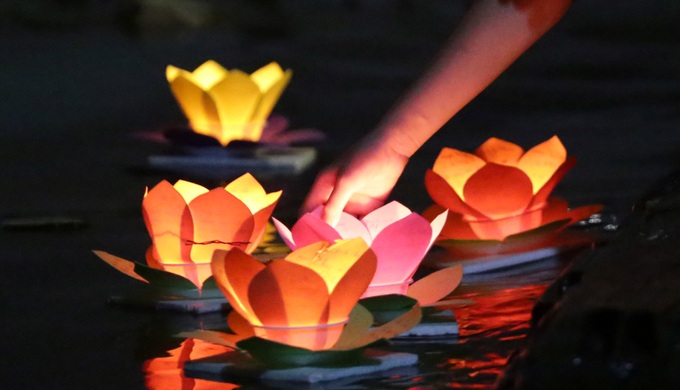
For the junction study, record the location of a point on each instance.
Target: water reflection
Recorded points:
(490, 331)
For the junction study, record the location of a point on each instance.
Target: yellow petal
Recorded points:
(271, 97)
(236, 98)
(500, 152)
(541, 162)
(456, 167)
(331, 262)
(196, 104)
(209, 74)
(250, 192)
(189, 190)
(267, 76)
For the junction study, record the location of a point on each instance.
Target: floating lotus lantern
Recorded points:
(187, 223)
(302, 300)
(228, 104)
(400, 239)
(501, 193)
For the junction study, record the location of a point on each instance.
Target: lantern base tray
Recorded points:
(234, 366)
(193, 306)
(264, 160)
(439, 324)
(569, 240)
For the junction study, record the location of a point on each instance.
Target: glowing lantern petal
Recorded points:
(542, 161)
(208, 74)
(441, 192)
(271, 96)
(286, 294)
(381, 218)
(456, 167)
(233, 274)
(167, 219)
(352, 286)
(498, 191)
(196, 104)
(308, 230)
(408, 238)
(500, 152)
(543, 194)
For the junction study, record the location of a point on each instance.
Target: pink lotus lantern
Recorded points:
(302, 300)
(501, 191)
(398, 237)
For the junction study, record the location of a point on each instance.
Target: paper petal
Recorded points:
(286, 294)
(239, 325)
(498, 191)
(456, 167)
(379, 219)
(349, 227)
(125, 266)
(436, 285)
(219, 218)
(393, 328)
(167, 220)
(352, 286)
(271, 96)
(500, 152)
(233, 271)
(543, 194)
(209, 73)
(442, 193)
(236, 98)
(310, 229)
(197, 105)
(284, 233)
(360, 321)
(542, 161)
(400, 248)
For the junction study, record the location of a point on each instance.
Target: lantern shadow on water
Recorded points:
(501, 195)
(398, 237)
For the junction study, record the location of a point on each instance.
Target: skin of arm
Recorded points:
(491, 36)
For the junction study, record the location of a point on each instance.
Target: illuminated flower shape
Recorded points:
(500, 190)
(187, 223)
(302, 300)
(228, 104)
(398, 237)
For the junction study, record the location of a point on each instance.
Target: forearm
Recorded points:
(491, 36)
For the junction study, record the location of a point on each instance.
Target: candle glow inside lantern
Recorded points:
(501, 191)
(398, 237)
(188, 222)
(228, 104)
(302, 300)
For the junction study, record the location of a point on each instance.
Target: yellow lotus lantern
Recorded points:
(303, 300)
(188, 222)
(228, 104)
(501, 191)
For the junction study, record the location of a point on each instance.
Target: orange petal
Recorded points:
(456, 167)
(500, 152)
(331, 262)
(456, 228)
(499, 229)
(168, 221)
(219, 219)
(442, 193)
(557, 209)
(498, 191)
(352, 286)
(288, 294)
(233, 271)
(542, 161)
(543, 193)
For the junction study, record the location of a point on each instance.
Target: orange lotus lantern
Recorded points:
(501, 191)
(228, 104)
(188, 222)
(303, 300)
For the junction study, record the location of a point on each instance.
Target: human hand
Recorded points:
(357, 183)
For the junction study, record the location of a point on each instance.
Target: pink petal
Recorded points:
(310, 229)
(384, 216)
